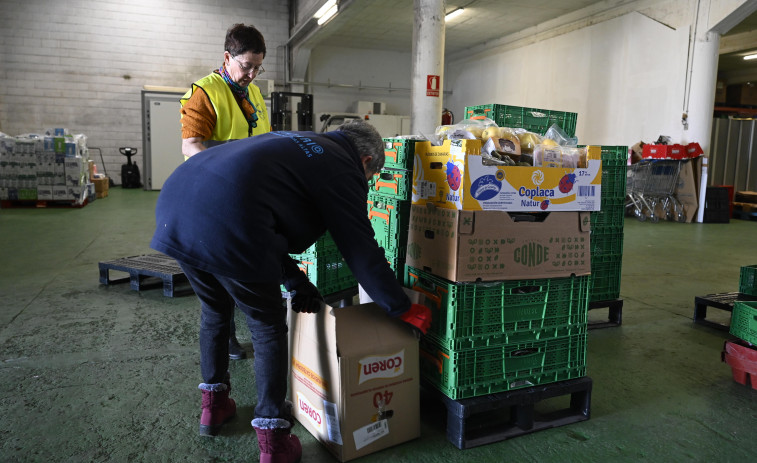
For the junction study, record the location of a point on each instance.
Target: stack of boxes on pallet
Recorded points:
(741, 353)
(51, 166)
(509, 297)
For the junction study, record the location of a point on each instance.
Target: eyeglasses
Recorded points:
(246, 68)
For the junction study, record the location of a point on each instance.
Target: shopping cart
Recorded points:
(652, 182)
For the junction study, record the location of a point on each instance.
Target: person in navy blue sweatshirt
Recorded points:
(232, 214)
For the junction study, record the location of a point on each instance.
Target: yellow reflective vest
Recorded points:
(230, 121)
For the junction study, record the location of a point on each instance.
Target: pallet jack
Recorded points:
(129, 171)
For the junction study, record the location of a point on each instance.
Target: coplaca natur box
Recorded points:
(455, 176)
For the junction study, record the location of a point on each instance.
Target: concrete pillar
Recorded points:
(426, 89)
(704, 70)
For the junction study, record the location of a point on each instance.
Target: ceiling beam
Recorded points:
(738, 42)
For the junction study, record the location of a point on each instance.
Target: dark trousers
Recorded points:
(266, 318)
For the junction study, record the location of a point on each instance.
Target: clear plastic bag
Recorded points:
(559, 156)
(556, 133)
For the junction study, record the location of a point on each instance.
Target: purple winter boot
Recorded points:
(217, 407)
(276, 442)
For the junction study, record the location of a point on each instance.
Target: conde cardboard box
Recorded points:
(468, 246)
(354, 379)
(454, 176)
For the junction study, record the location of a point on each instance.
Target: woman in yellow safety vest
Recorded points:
(226, 105)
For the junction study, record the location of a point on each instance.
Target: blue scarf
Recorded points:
(241, 93)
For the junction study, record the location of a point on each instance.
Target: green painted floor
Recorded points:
(93, 373)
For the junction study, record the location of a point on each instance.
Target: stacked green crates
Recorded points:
(607, 227)
(499, 336)
(326, 269)
(390, 192)
(490, 337)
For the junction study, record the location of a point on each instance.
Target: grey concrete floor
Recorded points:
(103, 373)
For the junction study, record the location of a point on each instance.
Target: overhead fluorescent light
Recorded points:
(754, 56)
(328, 14)
(453, 14)
(323, 9)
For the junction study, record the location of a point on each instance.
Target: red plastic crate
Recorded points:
(693, 150)
(664, 152)
(742, 357)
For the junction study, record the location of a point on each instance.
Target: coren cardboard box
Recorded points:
(354, 379)
(454, 175)
(467, 246)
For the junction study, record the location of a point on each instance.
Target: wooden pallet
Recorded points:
(144, 271)
(40, 204)
(744, 211)
(721, 301)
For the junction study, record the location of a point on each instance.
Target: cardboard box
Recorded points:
(687, 189)
(60, 192)
(746, 197)
(101, 186)
(741, 94)
(720, 92)
(45, 193)
(454, 176)
(354, 379)
(467, 246)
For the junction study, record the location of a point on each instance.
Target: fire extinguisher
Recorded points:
(447, 117)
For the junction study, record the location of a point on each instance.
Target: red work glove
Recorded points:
(418, 316)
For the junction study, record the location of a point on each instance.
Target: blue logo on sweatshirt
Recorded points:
(307, 145)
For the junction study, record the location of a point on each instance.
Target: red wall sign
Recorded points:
(432, 85)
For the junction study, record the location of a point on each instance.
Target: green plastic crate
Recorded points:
(532, 119)
(605, 280)
(610, 218)
(397, 264)
(475, 315)
(393, 183)
(614, 156)
(328, 272)
(748, 280)
(390, 219)
(614, 172)
(606, 246)
(744, 321)
(475, 372)
(400, 152)
(324, 245)
(613, 183)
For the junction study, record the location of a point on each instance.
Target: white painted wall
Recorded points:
(623, 77)
(82, 64)
(356, 68)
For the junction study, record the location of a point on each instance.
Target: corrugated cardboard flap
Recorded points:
(365, 329)
(466, 222)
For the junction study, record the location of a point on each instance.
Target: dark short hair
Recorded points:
(368, 142)
(241, 39)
